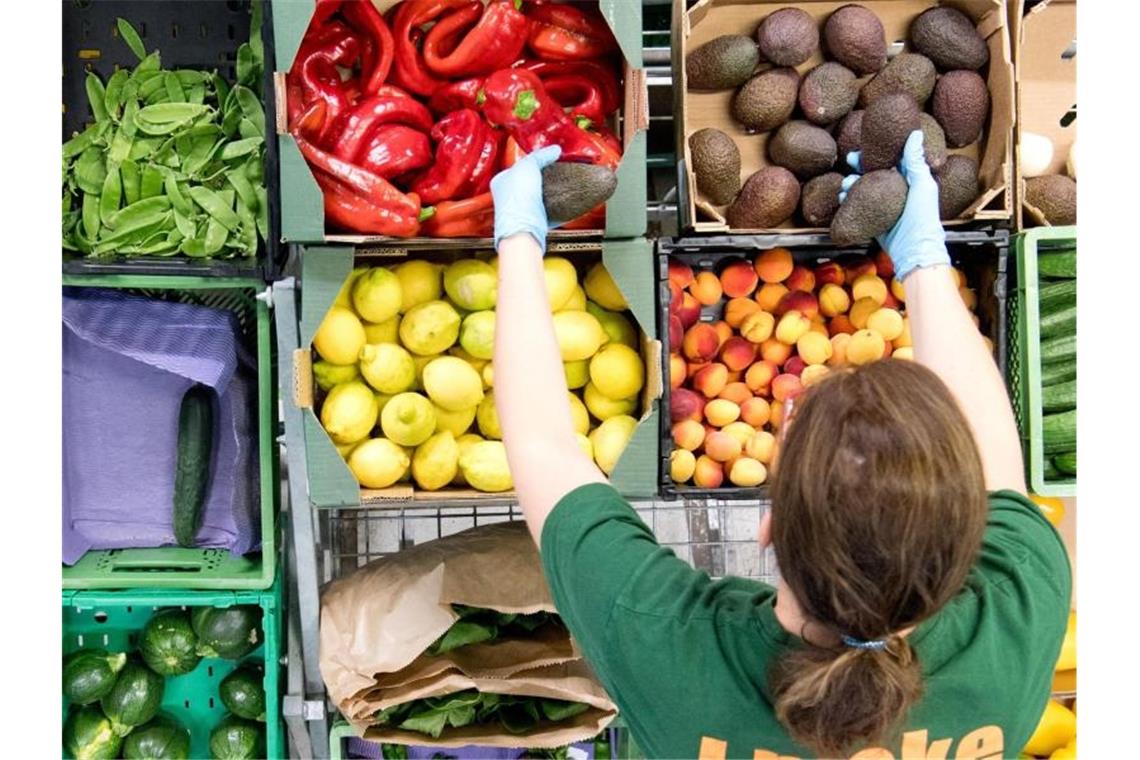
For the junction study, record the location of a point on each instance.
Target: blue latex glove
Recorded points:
(518, 196)
(917, 239)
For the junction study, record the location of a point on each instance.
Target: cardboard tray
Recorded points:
(325, 268)
(303, 206)
(696, 110)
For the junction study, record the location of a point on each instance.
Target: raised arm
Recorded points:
(530, 386)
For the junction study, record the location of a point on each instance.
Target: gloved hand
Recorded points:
(917, 239)
(518, 196)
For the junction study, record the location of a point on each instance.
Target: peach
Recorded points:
(861, 311)
(680, 273)
(722, 446)
(738, 279)
(737, 353)
(891, 302)
(969, 298)
(774, 265)
(757, 327)
(747, 473)
(855, 267)
(761, 447)
(774, 351)
(706, 288)
(797, 300)
(689, 311)
(903, 340)
(865, 346)
(676, 296)
(682, 463)
(741, 431)
(700, 343)
(869, 286)
(829, 273)
(676, 332)
(734, 376)
(720, 412)
(791, 326)
(678, 370)
(769, 295)
(688, 434)
(840, 325)
(708, 473)
(693, 368)
(737, 310)
(760, 375)
(814, 348)
(684, 404)
(884, 267)
(886, 322)
(839, 343)
(785, 387)
(723, 332)
(711, 380)
(736, 391)
(903, 352)
(897, 290)
(833, 300)
(794, 365)
(755, 411)
(801, 278)
(813, 374)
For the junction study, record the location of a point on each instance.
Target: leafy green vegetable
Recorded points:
(517, 715)
(476, 625)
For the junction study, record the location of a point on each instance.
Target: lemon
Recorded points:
(579, 335)
(344, 449)
(477, 334)
(610, 439)
(488, 418)
(429, 328)
(585, 445)
(488, 375)
(387, 367)
(576, 302)
(378, 463)
(344, 297)
(604, 407)
(421, 362)
(452, 383)
(436, 461)
(377, 295)
(561, 281)
(472, 284)
(578, 414)
(382, 400)
(387, 331)
(1057, 727)
(617, 327)
(329, 375)
(419, 283)
(577, 373)
(617, 372)
(349, 412)
(464, 442)
(457, 422)
(602, 289)
(408, 419)
(484, 466)
(340, 336)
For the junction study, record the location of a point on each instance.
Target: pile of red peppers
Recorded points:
(405, 117)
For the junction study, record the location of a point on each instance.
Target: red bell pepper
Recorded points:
(602, 75)
(517, 101)
(310, 121)
(390, 105)
(315, 75)
(377, 61)
(580, 97)
(408, 66)
(465, 158)
(395, 149)
(470, 217)
(564, 32)
(452, 97)
(496, 40)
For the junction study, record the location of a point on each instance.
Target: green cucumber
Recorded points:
(1059, 397)
(1066, 463)
(237, 739)
(1058, 264)
(1057, 295)
(89, 674)
(162, 738)
(243, 692)
(1058, 372)
(1059, 349)
(87, 735)
(227, 632)
(192, 471)
(1062, 322)
(1059, 432)
(135, 697)
(168, 643)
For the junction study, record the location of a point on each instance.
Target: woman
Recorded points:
(923, 598)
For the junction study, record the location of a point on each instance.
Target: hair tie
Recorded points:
(871, 644)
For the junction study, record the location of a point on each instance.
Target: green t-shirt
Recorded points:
(686, 658)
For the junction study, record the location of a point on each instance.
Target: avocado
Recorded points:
(907, 72)
(849, 136)
(961, 104)
(722, 63)
(571, 189)
(933, 141)
(788, 37)
(949, 38)
(873, 205)
(887, 123)
(957, 185)
(828, 93)
(804, 148)
(769, 197)
(767, 100)
(716, 165)
(1055, 196)
(854, 36)
(820, 199)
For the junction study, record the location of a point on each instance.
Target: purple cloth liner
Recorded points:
(362, 749)
(127, 362)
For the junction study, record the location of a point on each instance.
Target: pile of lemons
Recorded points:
(404, 358)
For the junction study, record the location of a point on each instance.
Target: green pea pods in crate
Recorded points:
(114, 622)
(1043, 362)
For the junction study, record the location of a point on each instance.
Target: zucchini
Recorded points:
(162, 738)
(1057, 264)
(1059, 349)
(243, 693)
(1059, 432)
(168, 643)
(1061, 322)
(1066, 463)
(89, 674)
(135, 697)
(227, 632)
(192, 468)
(1058, 372)
(1057, 295)
(237, 739)
(1059, 397)
(87, 735)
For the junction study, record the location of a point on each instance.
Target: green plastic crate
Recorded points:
(177, 567)
(114, 619)
(1025, 356)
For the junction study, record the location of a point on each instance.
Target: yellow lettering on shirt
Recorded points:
(873, 753)
(914, 746)
(712, 749)
(763, 754)
(985, 743)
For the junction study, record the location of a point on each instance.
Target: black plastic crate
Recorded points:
(197, 34)
(982, 254)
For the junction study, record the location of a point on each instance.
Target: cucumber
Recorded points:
(192, 471)
(1059, 432)
(1058, 264)
(1061, 322)
(89, 674)
(243, 694)
(1066, 463)
(162, 738)
(1057, 295)
(237, 739)
(87, 735)
(135, 697)
(1058, 372)
(227, 632)
(1059, 397)
(1059, 349)
(168, 643)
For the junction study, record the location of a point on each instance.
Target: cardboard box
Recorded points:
(696, 110)
(1045, 53)
(302, 206)
(325, 268)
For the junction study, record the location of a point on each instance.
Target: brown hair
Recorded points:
(878, 510)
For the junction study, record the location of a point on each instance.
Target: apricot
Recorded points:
(741, 431)
(774, 351)
(801, 278)
(891, 302)
(857, 266)
(786, 386)
(884, 267)
(685, 404)
(734, 376)
(755, 411)
(813, 374)
(888, 349)
(688, 434)
(797, 300)
(840, 324)
(869, 286)
(839, 343)
(757, 327)
(794, 365)
(720, 412)
(736, 391)
(746, 472)
(777, 417)
(676, 332)
(861, 311)
(680, 273)
(761, 446)
(678, 370)
(737, 310)
(700, 343)
(774, 265)
(903, 340)
(886, 322)
(723, 332)
(865, 346)
(675, 297)
(738, 279)
(706, 288)
(708, 473)
(760, 375)
(833, 300)
(769, 296)
(791, 326)
(904, 352)
(819, 327)
(721, 446)
(829, 273)
(737, 353)
(711, 380)
(682, 464)
(814, 348)
(897, 290)
(692, 368)
(689, 311)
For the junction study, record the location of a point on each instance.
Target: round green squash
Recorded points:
(89, 674)
(168, 643)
